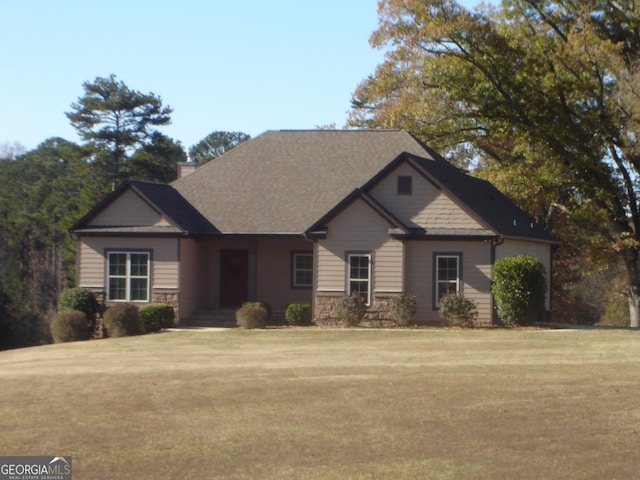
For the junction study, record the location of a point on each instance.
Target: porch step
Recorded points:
(219, 318)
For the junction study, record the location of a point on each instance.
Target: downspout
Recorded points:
(496, 242)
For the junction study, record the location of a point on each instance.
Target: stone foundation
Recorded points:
(378, 314)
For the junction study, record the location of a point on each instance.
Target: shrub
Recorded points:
(402, 308)
(122, 320)
(519, 287)
(251, 317)
(156, 316)
(351, 310)
(257, 304)
(81, 299)
(298, 314)
(69, 326)
(456, 310)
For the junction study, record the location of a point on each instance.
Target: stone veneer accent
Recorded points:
(378, 314)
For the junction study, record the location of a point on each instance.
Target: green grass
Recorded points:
(331, 404)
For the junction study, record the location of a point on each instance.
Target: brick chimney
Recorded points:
(185, 168)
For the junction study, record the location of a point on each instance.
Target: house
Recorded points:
(307, 216)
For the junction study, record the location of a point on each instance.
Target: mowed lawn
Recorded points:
(331, 404)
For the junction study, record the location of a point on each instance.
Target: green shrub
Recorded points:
(257, 304)
(81, 299)
(351, 310)
(298, 314)
(156, 316)
(122, 320)
(402, 308)
(69, 326)
(251, 317)
(456, 310)
(519, 287)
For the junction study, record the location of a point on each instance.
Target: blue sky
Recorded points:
(249, 66)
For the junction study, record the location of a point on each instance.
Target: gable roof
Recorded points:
(164, 199)
(284, 181)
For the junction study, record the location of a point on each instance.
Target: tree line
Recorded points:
(46, 190)
(542, 98)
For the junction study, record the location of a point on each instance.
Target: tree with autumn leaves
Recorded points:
(543, 97)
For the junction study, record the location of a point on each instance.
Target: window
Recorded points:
(302, 270)
(405, 185)
(128, 276)
(360, 275)
(447, 276)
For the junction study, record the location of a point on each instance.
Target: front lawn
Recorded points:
(331, 404)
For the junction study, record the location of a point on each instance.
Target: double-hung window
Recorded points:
(447, 275)
(302, 270)
(128, 276)
(359, 265)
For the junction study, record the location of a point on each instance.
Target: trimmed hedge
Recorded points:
(456, 310)
(122, 320)
(298, 314)
(155, 317)
(251, 317)
(69, 326)
(81, 299)
(519, 287)
(258, 304)
(402, 309)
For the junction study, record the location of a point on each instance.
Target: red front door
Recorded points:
(234, 267)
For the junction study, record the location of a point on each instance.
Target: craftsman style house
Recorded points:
(306, 216)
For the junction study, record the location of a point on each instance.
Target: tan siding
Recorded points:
(359, 228)
(426, 207)
(476, 271)
(538, 250)
(164, 267)
(274, 273)
(129, 210)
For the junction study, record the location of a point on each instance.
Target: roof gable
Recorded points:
(284, 181)
(144, 207)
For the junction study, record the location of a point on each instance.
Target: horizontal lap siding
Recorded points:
(359, 229)
(476, 272)
(92, 259)
(274, 273)
(128, 210)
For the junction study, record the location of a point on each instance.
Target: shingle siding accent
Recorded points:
(427, 206)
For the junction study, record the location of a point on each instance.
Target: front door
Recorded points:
(234, 267)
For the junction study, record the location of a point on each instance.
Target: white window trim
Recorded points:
(457, 281)
(127, 276)
(349, 279)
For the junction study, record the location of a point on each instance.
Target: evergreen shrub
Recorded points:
(351, 310)
(402, 308)
(258, 304)
(122, 320)
(456, 310)
(155, 317)
(298, 314)
(519, 287)
(251, 317)
(69, 326)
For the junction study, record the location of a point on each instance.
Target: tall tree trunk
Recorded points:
(631, 261)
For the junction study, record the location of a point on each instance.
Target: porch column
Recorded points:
(252, 283)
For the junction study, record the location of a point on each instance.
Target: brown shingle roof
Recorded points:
(284, 181)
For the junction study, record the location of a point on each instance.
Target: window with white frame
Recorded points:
(302, 269)
(128, 276)
(447, 275)
(359, 265)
